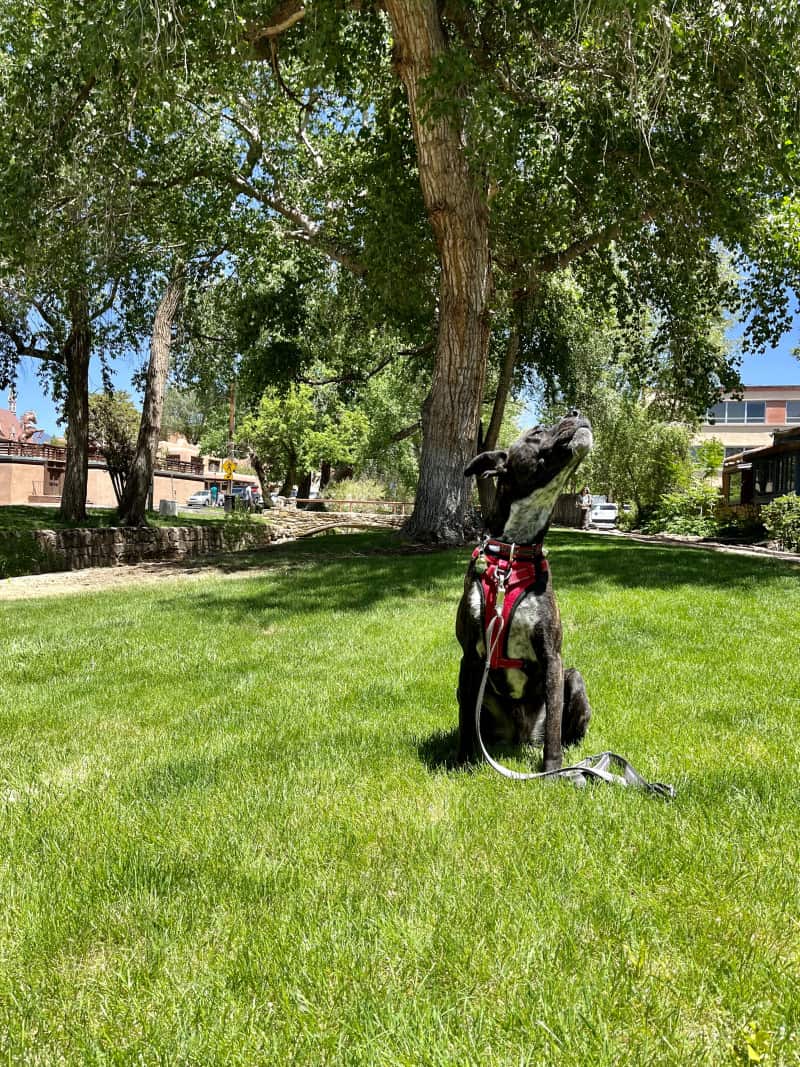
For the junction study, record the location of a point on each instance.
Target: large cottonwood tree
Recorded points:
(547, 131)
(542, 133)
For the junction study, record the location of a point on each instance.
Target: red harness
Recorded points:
(506, 574)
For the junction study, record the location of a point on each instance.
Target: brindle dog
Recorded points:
(539, 702)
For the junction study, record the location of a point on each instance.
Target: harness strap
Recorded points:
(506, 573)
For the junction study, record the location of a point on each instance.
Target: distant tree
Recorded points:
(185, 413)
(133, 501)
(637, 456)
(113, 428)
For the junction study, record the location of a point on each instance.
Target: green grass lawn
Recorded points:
(28, 517)
(231, 835)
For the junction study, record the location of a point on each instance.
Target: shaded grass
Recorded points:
(229, 834)
(28, 517)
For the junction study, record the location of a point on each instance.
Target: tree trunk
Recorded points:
(291, 477)
(304, 488)
(77, 354)
(261, 474)
(487, 487)
(133, 506)
(457, 209)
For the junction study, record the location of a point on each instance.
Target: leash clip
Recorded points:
(503, 574)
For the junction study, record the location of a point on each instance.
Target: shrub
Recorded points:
(20, 554)
(628, 519)
(741, 522)
(781, 517)
(357, 489)
(689, 511)
(235, 525)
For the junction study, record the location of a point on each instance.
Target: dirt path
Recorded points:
(98, 579)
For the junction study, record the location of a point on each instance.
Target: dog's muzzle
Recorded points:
(581, 442)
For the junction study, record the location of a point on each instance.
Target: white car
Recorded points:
(200, 499)
(604, 515)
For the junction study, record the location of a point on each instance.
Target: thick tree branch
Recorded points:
(409, 431)
(25, 348)
(555, 261)
(284, 16)
(358, 377)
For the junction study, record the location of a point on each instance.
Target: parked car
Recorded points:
(200, 499)
(604, 515)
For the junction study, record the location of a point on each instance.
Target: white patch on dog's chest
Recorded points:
(523, 621)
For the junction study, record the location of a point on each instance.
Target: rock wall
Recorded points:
(111, 547)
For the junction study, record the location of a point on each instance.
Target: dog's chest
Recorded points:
(516, 641)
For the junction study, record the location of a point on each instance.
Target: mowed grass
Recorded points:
(231, 834)
(28, 517)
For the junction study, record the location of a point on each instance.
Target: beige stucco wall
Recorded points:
(19, 481)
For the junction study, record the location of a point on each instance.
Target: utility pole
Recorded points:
(231, 428)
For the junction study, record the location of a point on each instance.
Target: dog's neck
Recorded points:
(529, 517)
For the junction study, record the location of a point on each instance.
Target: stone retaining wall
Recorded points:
(72, 550)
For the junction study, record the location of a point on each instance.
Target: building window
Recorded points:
(777, 476)
(743, 412)
(793, 410)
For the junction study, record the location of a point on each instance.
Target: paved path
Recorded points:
(708, 546)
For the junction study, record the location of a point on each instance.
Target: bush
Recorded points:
(690, 511)
(741, 522)
(628, 520)
(357, 489)
(236, 524)
(20, 554)
(781, 517)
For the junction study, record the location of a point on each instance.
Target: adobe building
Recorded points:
(32, 470)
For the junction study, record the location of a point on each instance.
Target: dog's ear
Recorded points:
(487, 464)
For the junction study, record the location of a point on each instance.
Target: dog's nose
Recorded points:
(574, 414)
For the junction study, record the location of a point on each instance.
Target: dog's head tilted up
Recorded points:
(530, 476)
(525, 696)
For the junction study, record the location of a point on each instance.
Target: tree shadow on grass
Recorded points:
(352, 574)
(591, 560)
(352, 579)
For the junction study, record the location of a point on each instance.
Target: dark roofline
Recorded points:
(763, 389)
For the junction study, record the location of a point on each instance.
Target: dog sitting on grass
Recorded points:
(529, 698)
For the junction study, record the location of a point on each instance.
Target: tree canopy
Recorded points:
(416, 187)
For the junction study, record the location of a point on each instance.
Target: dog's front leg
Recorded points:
(554, 707)
(469, 683)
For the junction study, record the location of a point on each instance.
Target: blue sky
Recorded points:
(776, 367)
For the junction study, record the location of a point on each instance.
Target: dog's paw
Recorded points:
(553, 764)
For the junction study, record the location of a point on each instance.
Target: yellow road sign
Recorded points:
(229, 466)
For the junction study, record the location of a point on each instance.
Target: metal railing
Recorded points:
(390, 507)
(58, 453)
(55, 453)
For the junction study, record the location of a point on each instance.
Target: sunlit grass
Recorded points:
(230, 833)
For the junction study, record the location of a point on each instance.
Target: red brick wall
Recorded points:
(776, 412)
